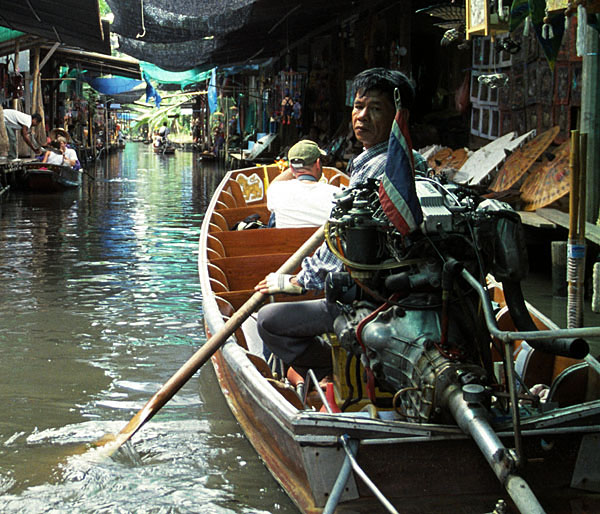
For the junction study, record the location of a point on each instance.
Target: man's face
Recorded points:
(372, 117)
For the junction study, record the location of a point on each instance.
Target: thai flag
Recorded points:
(397, 193)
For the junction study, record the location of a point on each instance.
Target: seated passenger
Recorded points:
(157, 139)
(60, 154)
(71, 158)
(54, 154)
(297, 197)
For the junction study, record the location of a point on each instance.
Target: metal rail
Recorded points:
(350, 447)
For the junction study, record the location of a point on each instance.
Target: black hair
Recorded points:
(55, 144)
(36, 117)
(385, 81)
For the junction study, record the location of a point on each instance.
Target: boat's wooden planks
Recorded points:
(261, 241)
(246, 271)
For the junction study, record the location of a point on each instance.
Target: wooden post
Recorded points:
(37, 103)
(15, 102)
(106, 138)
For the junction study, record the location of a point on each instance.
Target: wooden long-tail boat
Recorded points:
(458, 450)
(44, 177)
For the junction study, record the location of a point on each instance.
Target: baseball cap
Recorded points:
(304, 153)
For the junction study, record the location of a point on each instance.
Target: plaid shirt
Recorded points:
(369, 164)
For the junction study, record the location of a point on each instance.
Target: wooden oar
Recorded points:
(111, 443)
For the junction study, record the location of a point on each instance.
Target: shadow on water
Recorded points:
(99, 305)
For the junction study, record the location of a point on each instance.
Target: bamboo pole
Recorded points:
(37, 98)
(15, 102)
(582, 186)
(574, 191)
(575, 247)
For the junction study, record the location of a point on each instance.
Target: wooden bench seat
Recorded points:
(245, 272)
(236, 243)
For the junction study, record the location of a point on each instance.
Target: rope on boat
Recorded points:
(350, 446)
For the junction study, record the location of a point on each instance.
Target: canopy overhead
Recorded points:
(98, 64)
(178, 21)
(180, 79)
(71, 22)
(182, 34)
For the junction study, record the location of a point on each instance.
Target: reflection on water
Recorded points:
(100, 305)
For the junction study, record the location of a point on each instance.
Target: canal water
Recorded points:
(99, 305)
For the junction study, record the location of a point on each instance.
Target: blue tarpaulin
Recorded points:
(150, 91)
(112, 85)
(212, 91)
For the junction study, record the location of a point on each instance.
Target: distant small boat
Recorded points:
(164, 149)
(44, 177)
(207, 156)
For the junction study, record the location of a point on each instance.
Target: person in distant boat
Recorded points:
(53, 155)
(16, 120)
(164, 131)
(60, 154)
(70, 154)
(297, 197)
(290, 329)
(157, 139)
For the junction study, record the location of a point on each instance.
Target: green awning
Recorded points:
(7, 34)
(183, 78)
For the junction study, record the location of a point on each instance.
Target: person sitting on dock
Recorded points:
(297, 197)
(16, 120)
(290, 329)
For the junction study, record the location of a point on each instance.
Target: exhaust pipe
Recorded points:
(472, 418)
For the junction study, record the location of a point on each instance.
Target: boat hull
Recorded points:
(426, 469)
(50, 178)
(419, 468)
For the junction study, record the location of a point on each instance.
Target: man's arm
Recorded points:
(25, 134)
(316, 267)
(312, 276)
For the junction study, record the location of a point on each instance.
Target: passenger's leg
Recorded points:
(289, 330)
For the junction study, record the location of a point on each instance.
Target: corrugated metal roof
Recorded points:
(72, 22)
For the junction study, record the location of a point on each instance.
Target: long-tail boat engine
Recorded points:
(415, 324)
(413, 317)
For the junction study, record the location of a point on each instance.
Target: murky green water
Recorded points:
(99, 305)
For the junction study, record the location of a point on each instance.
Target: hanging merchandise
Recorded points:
(297, 114)
(15, 89)
(549, 27)
(287, 89)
